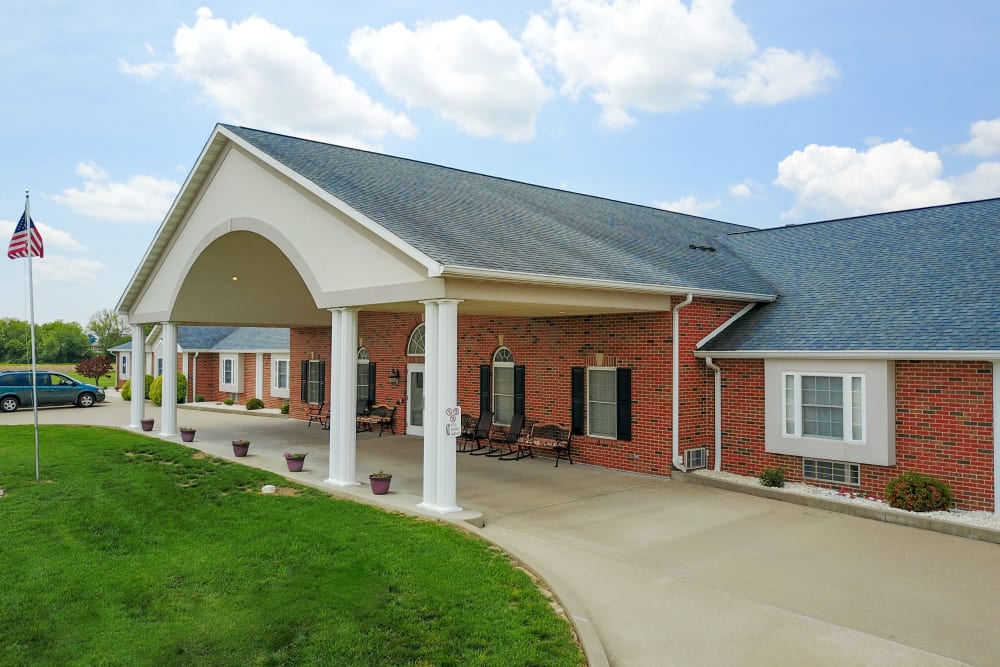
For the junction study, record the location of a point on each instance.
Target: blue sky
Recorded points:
(761, 113)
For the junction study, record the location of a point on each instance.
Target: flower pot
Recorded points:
(147, 424)
(240, 447)
(380, 484)
(295, 465)
(187, 436)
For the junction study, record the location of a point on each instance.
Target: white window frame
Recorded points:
(313, 394)
(614, 383)
(416, 344)
(849, 408)
(124, 366)
(159, 366)
(234, 384)
(363, 359)
(277, 389)
(505, 354)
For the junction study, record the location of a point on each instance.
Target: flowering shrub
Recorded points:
(772, 477)
(917, 492)
(294, 455)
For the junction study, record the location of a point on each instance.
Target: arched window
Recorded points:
(415, 348)
(364, 376)
(503, 386)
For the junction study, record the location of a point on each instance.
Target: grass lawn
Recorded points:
(106, 380)
(137, 551)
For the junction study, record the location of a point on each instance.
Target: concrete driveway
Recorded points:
(656, 572)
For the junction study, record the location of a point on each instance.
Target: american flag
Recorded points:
(26, 238)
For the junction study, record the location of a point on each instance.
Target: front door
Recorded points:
(414, 399)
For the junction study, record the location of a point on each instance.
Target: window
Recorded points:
(416, 346)
(503, 386)
(279, 376)
(124, 362)
(602, 402)
(364, 377)
(314, 382)
(230, 373)
(839, 472)
(159, 366)
(824, 406)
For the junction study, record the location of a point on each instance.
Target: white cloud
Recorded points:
(740, 189)
(841, 181)
(661, 55)
(983, 182)
(258, 74)
(689, 205)
(778, 76)
(985, 138)
(140, 199)
(51, 237)
(59, 269)
(472, 73)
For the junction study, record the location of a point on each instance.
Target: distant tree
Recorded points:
(110, 327)
(15, 341)
(95, 367)
(61, 342)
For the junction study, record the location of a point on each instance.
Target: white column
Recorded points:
(343, 396)
(137, 377)
(259, 376)
(441, 393)
(168, 411)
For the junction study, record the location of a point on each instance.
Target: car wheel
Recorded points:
(85, 400)
(9, 404)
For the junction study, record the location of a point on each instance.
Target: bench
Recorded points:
(381, 415)
(554, 437)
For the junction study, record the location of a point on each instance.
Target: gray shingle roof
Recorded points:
(924, 279)
(201, 338)
(250, 339)
(463, 219)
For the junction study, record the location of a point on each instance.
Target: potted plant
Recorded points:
(240, 447)
(380, 482)
(295, 461)
(187, 434)
(147, 424)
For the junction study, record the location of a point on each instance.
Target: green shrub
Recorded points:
(772, 477)
(228, 401)
(918, 492)
(126, 391)
(285, 407)
(156, 389)
(254, 404)
(199, 398)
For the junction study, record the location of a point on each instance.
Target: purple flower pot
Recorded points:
(380, 485)
(240, 448)
(295, 465)
(187, 436)
(147, 424)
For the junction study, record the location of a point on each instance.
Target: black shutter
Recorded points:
(322, 382)
(304, 388)
(485, 389)
(624, 403)
(371, 383)
(579, 398)
(518, 390)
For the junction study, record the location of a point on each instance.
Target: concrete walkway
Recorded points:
(656, 572)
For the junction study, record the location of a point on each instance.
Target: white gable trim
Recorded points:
(914, 355)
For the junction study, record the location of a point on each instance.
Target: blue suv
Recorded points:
(53, 389)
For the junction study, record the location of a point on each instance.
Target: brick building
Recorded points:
(847, 350)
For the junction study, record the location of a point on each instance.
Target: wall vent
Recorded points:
(840, 472)
(696, 458)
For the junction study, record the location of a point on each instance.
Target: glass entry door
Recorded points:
(414, 399)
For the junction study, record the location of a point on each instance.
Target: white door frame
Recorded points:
(411, 429)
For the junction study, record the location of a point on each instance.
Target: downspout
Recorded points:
(676, 382)
(718, 412)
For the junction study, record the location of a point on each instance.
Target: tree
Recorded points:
(110, 327)
(61, 342)
(15, 341)
(95, 367)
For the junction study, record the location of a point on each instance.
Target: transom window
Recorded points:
(503, 386)
(416, 346)
(602, 402)
(824, 406)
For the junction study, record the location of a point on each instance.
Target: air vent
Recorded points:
(696, 458)
(840, 472)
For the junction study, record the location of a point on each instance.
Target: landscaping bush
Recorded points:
(254, 404)
(126, 391)
(199, 398)
(228, 401)
(285, 407)
(145, 389)
(772, 477)
(156, 389)
(918, 492)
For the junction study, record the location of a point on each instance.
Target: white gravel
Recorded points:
(980, 519)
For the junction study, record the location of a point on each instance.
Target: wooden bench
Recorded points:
(554, 437)
(381, 415)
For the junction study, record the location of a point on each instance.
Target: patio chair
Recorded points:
(513, 439)
(316, 415)
(479, 433)
(464, 441)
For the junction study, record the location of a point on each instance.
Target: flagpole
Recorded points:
(31, 310)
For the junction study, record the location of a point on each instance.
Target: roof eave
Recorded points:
(916, 355)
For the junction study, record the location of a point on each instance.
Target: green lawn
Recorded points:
(141, 552)
(106, 380)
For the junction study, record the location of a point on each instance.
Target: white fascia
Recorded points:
(914, 355)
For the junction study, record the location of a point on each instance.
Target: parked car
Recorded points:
(53, 389)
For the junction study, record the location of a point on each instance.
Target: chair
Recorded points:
(316, 415)
(513, 439)
(480, 432)
(464, 441)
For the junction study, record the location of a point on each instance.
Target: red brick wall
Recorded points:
(944, 427)
(205, 369)
(549, 347)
